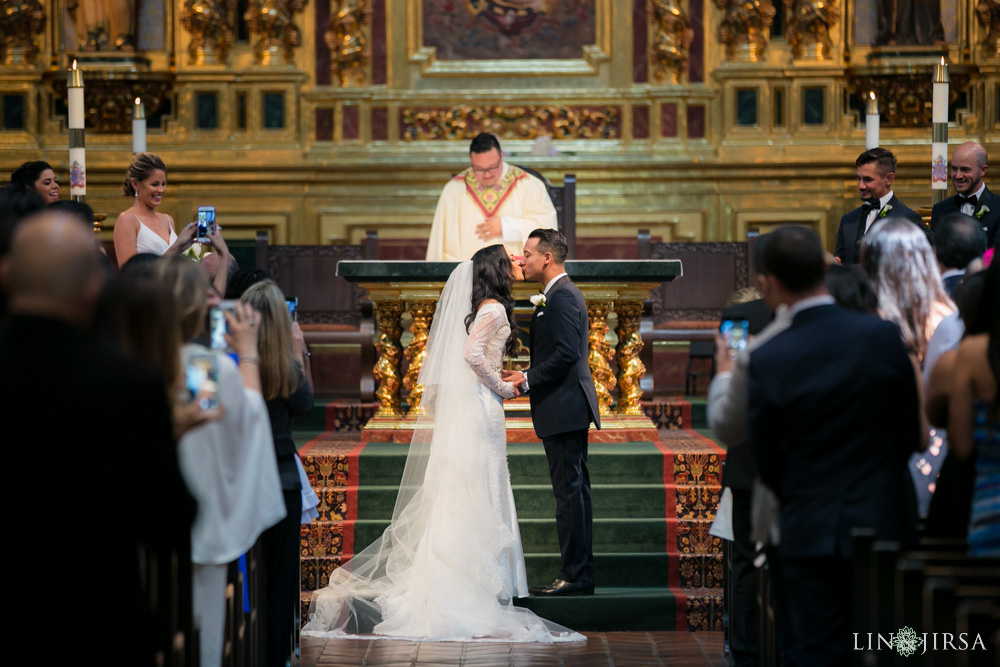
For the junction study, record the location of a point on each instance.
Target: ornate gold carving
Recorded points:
(630, 368)
(274, 30)
(744, 28)
(905, 98)
(520, 122)
(600, 354)
(672, 41)
(387, 367)
(809, 26)
(212, 35)
(109, 101)
(350, 56)
(416, 352)
(20, 22)
(988, 12)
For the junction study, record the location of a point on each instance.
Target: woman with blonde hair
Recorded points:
(286, 383)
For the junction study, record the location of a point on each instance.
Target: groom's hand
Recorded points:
(514, 377)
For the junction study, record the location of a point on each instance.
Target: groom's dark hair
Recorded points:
(551, 240)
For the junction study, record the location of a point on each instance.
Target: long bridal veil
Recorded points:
(435, 573)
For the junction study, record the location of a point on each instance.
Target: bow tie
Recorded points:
(962, 201)
(869, 206)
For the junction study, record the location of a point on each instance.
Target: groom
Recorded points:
(563, 404)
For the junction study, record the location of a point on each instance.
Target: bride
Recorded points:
(450, 563)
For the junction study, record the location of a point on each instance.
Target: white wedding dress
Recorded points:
(450, 563)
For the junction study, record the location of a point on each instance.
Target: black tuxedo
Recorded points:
(834, 416)
(989, 221)
(563, 404)
(852, 225)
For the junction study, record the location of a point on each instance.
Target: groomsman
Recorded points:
(563, 405)
(876, 172)
(968, 168)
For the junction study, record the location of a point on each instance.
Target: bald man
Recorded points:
(973, 198)
(91, 462)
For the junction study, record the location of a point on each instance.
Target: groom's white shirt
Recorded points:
(548, 286)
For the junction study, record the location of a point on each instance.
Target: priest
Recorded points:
(490, 202)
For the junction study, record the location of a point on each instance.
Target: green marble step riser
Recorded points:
(634, 570)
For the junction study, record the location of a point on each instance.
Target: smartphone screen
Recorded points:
(736, 333)
(201, 380)
(293, 306)
(217, 325)
(206, 223)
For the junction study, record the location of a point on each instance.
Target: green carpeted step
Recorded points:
(537, 502)
(612, 569)
(699, 412)
(609, 609)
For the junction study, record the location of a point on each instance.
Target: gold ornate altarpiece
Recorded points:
(319, 119)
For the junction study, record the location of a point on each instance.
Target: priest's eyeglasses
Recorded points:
(489, 170)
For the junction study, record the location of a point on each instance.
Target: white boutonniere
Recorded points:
(885, 211)
(537, 300)
(981, 212)
(195, 252)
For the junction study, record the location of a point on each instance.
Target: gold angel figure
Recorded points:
(273, 26)
(212, 34)
(20, 21)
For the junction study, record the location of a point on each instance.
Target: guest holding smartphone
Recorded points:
(286, 382)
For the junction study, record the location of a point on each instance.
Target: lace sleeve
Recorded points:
(484, 353)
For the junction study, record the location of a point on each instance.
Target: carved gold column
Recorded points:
(672, 40)
(744, 28)
(630, 368)
(808, 29)
(212, 32)
(275, 34)
(601, 354)
(422, 313)
(20, 22)
(988, 13)
(389, 352)
(350, 55)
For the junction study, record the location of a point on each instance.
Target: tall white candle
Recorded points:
(77, 153)
(871, 122)
(939, 133)
(139, 127)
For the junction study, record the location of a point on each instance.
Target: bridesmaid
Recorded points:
(141, 229)
(39, 177)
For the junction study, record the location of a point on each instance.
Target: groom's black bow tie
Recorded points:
(872, 206)
(961, 201)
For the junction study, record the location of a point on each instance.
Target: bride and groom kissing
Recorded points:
(450, 564)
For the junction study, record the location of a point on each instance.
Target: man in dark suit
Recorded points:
(95, 444)
(973, 198)
(958, 240)
(833, 414)
(563, 404)
(876, 170)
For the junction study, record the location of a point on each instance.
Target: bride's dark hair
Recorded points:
(491, 279)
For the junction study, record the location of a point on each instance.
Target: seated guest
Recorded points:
(972, 197)
(38, 177)
(974, 418)
(229, 464)
(876, 171)
(286, 380)
(490, 202)
(141, 228)
(830, 433)
(958, 240)
(53, 373)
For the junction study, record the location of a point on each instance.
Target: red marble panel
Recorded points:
(378, 43)
(640, 42)
(696, 122)
(668, 120)
(696, 56)
(380, 124)
(640, 122)
(324, 124)
(350, 123)
(322, 50)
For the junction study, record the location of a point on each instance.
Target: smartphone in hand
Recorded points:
(218, 327)
(737, 335)
(201, 380)
(206, 223)
(293, 306)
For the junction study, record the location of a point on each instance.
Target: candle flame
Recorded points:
(872, 95)
(942, 60)
(74, 63)
(137, 102)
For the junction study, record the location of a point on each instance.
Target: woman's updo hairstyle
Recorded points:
(24, 177)
(141, 167)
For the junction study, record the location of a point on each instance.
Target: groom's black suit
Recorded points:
(563, 404)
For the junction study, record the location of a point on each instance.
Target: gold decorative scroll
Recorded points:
(988, 13)
(672, 41)
(387, 347)
(275, 34)
(600, 354)
(511, 122)
(20, 22)
(110, 100)
(745, 27)
(630, 368)
(212, 32)
(808, 29)
(906, 99)
(350, 55)
(416, 352)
